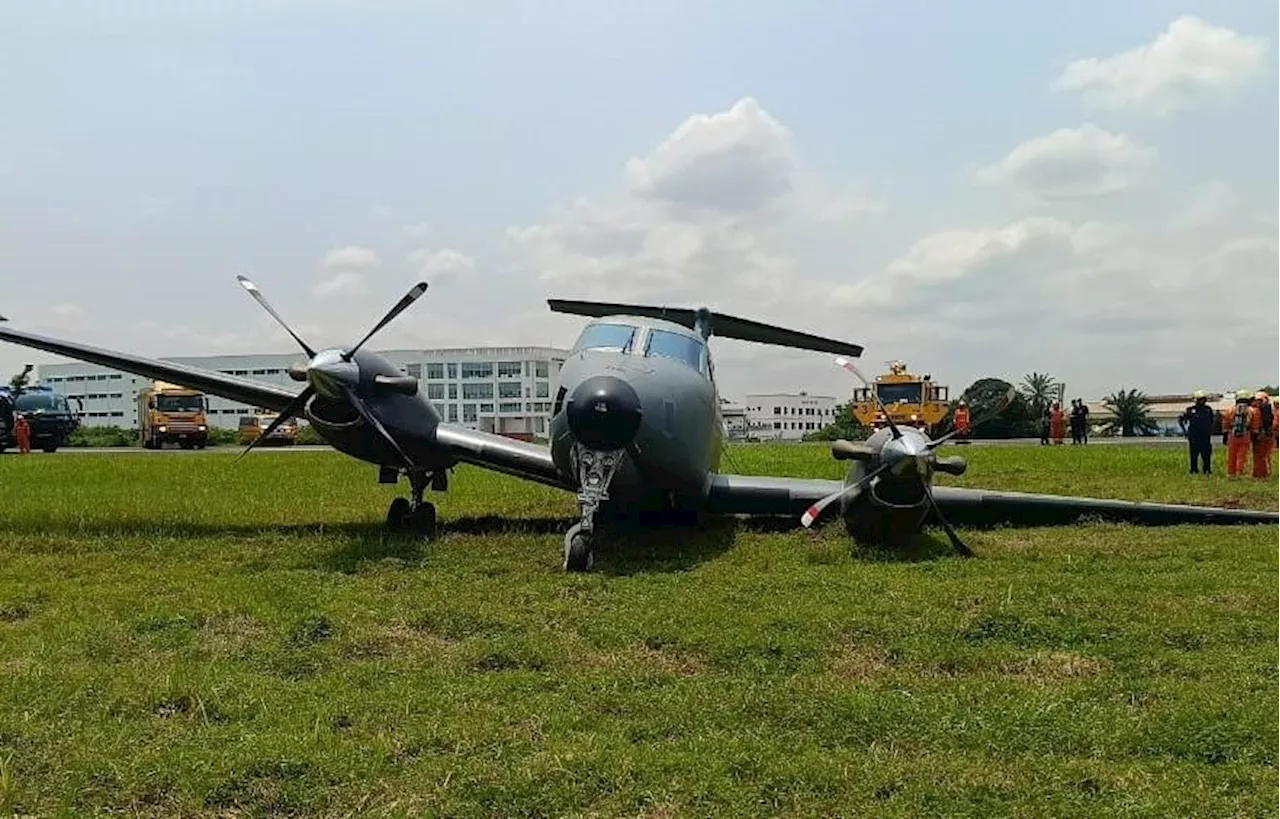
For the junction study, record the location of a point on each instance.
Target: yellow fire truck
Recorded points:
(911, 400)
(167, 412)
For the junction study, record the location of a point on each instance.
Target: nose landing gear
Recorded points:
(417, 516)
(596, 469)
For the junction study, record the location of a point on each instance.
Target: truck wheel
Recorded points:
(50, 447)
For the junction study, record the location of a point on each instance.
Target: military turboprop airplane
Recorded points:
(636, 425)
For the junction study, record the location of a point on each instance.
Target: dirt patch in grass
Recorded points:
(859, 662)
(1053, 666)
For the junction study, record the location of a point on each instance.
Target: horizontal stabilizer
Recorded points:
(715, 324)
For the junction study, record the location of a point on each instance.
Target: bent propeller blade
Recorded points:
(253, 290)
(372, 420)
(848, 365)
(409, 298)
(815, 511)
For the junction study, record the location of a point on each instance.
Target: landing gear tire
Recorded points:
(398, 515)
(422, 521)
(578, 554)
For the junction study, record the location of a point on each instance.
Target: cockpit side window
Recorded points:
(691, 351)
(611, 337)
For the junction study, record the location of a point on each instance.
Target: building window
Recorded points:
(453, 392)
(413, 370)
(453, 370)
(435, 371)
(509, 406)
(487, 408)
(476, 391)
(506, 389)
(540, 369)
(468, 413)
(510, 369)
(453, 413)
(542, 390)
(435, 392)
(477, 369)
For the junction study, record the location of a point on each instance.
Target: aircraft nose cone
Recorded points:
(328, 373)
(603, 413)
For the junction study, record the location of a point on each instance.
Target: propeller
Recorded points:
(852, 491)
(337, 376)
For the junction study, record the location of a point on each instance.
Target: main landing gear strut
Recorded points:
(596, 469)
(414, 515)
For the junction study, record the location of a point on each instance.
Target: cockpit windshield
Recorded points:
(179, 403)
(691, 351)
(611, 337)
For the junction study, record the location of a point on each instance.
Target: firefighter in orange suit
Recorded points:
(22, 434)
(961, 420)
(1057, 423)
(1237, 423)
(1262, 436)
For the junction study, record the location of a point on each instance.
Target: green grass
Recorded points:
(182, 634)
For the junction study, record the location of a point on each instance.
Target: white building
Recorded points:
(788, 416)
(497, 389)
(735, 420)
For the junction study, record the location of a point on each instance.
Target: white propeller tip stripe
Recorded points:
(810, 515)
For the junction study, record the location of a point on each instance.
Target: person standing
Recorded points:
(22, 434)
(1057, 423)
(961, 421)
(1237, 422)
(1084, 420)
(1197, 422)
(1261, 437)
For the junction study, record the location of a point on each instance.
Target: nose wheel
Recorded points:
(579, 556)
(596, 469)
(414, 516)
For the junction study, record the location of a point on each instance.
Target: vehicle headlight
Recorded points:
(201, 428)
(163, 428)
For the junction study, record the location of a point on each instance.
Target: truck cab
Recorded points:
(48, 413)
(252, 427)
(169, 413)
(909, 399)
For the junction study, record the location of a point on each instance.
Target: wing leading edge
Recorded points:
(254, 393)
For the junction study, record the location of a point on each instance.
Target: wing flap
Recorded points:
(254, 393)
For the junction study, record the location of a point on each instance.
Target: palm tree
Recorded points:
(1040, 390)
(1132, 413)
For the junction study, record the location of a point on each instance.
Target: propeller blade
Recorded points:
(260, 299)
(956, 542)
(409, 298)
(852, 490)
(372, 420)
(295, 407)
(848, 365)
(1009, 395)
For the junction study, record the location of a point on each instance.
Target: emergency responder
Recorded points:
(22, 434)
(961, 420)
(1261, 437)
(1237, 422)
(1083, 409)
(1197, 422)
(1057, 423)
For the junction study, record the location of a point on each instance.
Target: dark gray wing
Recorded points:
(721, 325)
(254, 393)
(984, 507)
(502, 454)
(764, 495)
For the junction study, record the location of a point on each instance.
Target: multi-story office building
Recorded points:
(788, 416)
(497, 389)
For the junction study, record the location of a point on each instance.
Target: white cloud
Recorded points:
(416, 230)
(346, 283)
(441, 265)
(351, 257)
(1071, 163)
(1190, 61)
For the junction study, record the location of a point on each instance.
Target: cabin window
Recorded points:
(663, 344)
(613, 337)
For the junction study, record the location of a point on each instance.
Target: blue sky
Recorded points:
(149, 152)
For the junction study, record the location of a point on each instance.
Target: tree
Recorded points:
(1040, 390)
(845, 426)
(1132, 413)
(984, 398)
(19, 382)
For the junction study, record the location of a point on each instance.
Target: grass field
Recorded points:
(182, 634)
